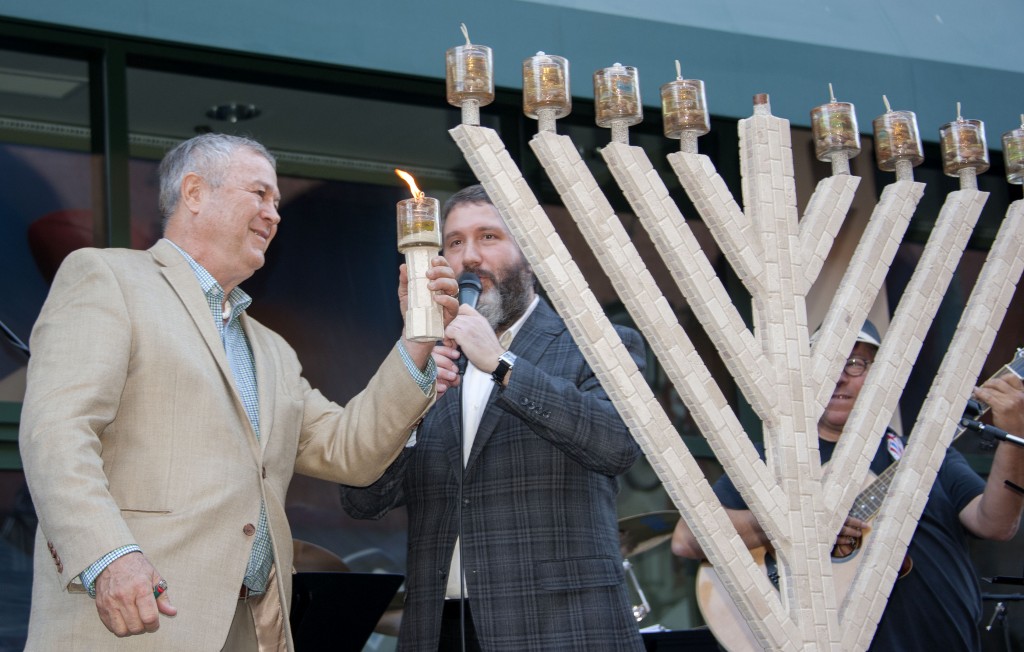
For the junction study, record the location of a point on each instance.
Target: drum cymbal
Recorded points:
(311, 557)
(642, 532)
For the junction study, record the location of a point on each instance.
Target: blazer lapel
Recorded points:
(266, 380)
(183, 280)
(449, 425)
(529, 344)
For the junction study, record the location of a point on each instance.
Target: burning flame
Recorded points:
(416, 192)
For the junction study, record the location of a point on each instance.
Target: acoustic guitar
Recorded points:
(720, 612)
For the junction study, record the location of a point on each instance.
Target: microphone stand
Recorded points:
(469, 293)
(462, 480)
(986, 430)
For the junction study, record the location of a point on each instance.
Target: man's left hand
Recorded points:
(849, 538)
(474, 336)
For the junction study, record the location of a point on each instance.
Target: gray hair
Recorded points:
(207, 155)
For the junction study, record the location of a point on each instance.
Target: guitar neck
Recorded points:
(869, 501)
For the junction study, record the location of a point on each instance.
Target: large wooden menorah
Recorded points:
(786, 379)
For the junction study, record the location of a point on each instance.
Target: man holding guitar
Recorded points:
(937, 601)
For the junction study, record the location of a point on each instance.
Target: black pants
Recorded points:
(451, 628)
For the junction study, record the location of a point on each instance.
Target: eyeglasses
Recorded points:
(856, 367)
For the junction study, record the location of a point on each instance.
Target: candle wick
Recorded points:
(888, 109)
(959, 117)
(465, 32)
(1022, 120)
(679, 70)
(831, 95)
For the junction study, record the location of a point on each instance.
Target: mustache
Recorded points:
(483, 274)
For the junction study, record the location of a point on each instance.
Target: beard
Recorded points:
(508, 296)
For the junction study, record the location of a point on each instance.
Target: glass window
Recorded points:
(46, 209)
(46, 206)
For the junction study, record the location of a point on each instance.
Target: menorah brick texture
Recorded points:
(786, 378)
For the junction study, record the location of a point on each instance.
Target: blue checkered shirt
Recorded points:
(243, 368)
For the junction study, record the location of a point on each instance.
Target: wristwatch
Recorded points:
(506, 361)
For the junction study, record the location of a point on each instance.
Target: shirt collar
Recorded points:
(238, 298)
(506, 338)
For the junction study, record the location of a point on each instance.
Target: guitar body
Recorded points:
(723, 617)
(720, 613)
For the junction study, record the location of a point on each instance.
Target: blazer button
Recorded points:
(249, 529)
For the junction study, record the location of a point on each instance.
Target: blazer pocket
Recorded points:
(578, 573)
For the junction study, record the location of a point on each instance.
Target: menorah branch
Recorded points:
(895, 358)
(626, 387)
(822, 220)
(694, 275)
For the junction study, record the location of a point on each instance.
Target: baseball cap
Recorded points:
(869, 334)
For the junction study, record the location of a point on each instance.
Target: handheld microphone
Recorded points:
(469, 293)
(469, 289)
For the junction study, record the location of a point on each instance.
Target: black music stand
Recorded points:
(337, 611)
(699, 639)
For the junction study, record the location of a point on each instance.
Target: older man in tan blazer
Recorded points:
(162, 425)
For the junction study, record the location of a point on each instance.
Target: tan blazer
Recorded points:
(132, 432)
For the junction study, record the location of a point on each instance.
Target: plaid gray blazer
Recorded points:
(540, 535)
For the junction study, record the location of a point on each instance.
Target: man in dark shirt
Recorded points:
(937, 603)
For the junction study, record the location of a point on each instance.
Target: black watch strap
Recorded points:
(506, 361)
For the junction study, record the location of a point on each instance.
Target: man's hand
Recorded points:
(474, 335)
(445, 354)
(849, 538)
(440, 280)
(124, 596)
(1005, 395)
(445, 288)
(996, 513)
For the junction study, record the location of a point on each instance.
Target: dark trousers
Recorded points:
(452, 628)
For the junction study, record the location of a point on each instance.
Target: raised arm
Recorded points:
(996, 513)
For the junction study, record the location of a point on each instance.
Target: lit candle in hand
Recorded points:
(419, 238)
